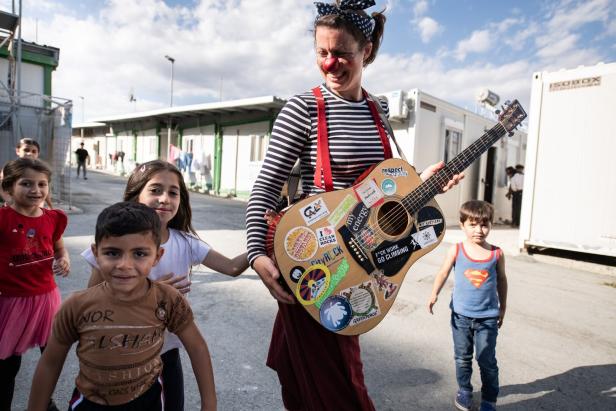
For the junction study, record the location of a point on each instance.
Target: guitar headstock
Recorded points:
(512, 115)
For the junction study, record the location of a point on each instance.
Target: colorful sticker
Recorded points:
(312, 284)
(340, 211)
(367, 238)
(296, 273)
(326, 236)
(335, 313)
(369, 193)
(314, 211)
(338, 276)
(358, 218)
(425, 237)
(363, 302)
(388, 186)
(394, 172)
(384, 285)
(300, 243)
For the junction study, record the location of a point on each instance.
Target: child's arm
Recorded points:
(199, 354)
(225, 265)
(501, 287)
(47, 374)
(62, 260)
(441, 276)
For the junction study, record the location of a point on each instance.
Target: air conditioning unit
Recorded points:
(398, 109)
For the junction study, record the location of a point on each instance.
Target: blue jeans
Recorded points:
(478, 333)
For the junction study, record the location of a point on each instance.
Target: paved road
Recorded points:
(556, 350)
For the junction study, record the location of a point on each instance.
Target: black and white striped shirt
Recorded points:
(354, 145)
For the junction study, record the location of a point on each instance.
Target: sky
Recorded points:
(233, 49)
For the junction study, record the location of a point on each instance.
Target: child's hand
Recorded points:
(501, 317)
(433, 300)
(181, 283)
(61, 266)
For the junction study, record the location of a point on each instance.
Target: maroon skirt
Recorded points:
(318, 369)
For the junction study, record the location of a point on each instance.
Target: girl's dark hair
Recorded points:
(138, 179)
(477, 211)
(338, 21)
(125, 218)
(28, 141)
(15, 169)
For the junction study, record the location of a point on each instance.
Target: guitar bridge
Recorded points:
(356, 250)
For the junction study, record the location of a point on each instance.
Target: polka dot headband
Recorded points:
(363, 23)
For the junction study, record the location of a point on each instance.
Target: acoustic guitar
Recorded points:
(345, 253)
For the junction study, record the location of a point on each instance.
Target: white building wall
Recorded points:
(147, 145)
(236, 156)
(33, 80)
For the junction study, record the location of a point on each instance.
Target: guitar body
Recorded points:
(345, 253)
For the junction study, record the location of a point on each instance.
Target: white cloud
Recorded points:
(103, 56)
(428, 28)
(420, 8)
(478, 42)
(566, 19)
(559, 47)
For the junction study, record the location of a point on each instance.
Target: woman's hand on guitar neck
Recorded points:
(434, 168)
(265, 267)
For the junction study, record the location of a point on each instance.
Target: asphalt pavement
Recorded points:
(556, 350)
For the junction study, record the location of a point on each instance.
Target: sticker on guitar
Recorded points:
(314, 211)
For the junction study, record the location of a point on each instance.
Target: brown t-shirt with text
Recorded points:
(119, 342)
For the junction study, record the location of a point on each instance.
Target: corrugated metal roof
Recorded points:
(256, 104)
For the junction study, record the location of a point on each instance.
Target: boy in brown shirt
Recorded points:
(119, 324)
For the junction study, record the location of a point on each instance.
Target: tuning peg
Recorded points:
(497, 112)
(511, 134)
(507, 103)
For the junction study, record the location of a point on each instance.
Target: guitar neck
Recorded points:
(425, 192)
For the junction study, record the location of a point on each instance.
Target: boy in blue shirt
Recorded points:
(477, 305)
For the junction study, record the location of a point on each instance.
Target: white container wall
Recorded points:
(570, 187)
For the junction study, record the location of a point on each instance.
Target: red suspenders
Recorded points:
(323, 166)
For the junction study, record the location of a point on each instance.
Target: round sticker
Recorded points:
(301, 243)
(296, 273)
(312, 284)
(362, 300)
(335, 313)
(388, 186)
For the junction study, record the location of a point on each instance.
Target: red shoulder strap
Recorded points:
(323, 167)
(379, 124)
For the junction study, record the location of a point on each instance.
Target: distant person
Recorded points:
(119, 324)
(31, 252)
(478, 303)
(159, 185)
(82, 157)
(514, 193)
(26, 148)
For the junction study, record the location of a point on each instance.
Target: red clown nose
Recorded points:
(330, 64)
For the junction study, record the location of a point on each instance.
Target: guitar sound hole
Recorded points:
(392, 218)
